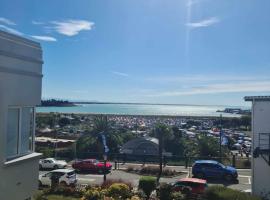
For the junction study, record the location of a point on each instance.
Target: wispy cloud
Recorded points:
(204, 23)
(120, 73)
(256, 86)
(6, 21)
(37, 22)
(201, 78)
(71, 27)
(44, 38)
(11, 30)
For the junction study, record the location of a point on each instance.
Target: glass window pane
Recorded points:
(12, 132)
(27, 123)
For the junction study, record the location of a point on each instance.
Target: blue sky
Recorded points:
(176, 51)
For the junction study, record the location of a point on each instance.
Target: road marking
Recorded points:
(243, 176)
(93, 175)
(249, 180)
(87, 179)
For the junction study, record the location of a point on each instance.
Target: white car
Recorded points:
(51, 163)
(67, 177)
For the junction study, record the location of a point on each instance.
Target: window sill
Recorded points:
(31, 156)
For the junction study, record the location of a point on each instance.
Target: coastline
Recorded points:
(136, 115)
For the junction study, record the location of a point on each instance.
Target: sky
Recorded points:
(207, 52)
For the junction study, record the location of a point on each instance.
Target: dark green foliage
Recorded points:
(64, 122)
(147, 184)
(165, 191)
(223, 193)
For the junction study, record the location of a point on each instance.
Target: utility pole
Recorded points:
(220, 137)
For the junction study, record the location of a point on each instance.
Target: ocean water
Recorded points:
(139, 109)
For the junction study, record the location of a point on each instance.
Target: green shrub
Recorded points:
(119, 191)
(223, 193)
(147, 184)
(94, 193)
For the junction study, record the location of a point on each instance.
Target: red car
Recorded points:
(92, 165)
(190, 186)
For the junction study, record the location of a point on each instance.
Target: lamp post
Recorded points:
(220, 138)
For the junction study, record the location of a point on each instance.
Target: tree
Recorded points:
(161, 131)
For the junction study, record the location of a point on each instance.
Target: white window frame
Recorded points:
(19, 153)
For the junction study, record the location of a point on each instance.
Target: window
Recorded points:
(13, 132)
(20, 131)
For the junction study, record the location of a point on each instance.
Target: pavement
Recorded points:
(244, 177)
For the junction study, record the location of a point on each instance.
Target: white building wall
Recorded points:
(260, 168)
(20, 85)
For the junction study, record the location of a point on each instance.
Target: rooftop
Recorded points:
(257, 98)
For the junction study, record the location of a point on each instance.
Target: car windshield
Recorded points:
(71, 173)
(221, 165)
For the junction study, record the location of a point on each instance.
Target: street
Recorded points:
(244, 177)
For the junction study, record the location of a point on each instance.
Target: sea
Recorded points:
(143, 109)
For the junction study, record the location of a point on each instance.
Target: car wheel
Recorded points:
(55, 167)
(63, 183)
(40, 166)
(39, 184)
(228, 177)
(186, 191)
(199, 175)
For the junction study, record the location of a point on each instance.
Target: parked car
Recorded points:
(213, 169)
(51, 163)
(67, 177)
(190, 186)
(92, 165)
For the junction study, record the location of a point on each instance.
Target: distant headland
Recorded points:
(56, 103)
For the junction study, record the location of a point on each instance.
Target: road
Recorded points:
(96, 179)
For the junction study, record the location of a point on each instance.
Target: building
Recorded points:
(142, 146)
(260, 145)
(20, 91)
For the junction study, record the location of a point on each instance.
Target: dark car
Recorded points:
(190, 186)
(91, 165)
(213, 169)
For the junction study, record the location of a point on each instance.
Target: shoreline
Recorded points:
(137, 115)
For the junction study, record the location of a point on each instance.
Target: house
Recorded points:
(260, 145)
(20, 91)
(142, 146)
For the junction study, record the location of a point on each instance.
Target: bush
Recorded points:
(223, 193)
(119, 191)
(164, 191)
(178, 196)
(154, 170)
(109, 182)
(147, 184)
(94, 193)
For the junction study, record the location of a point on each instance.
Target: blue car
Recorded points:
(213, 169)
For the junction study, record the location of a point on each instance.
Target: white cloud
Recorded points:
(203, 23)
(11, 30)
(6, 21)
(256, 86)
(44, 38)
(120, 73)
(71, 27)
